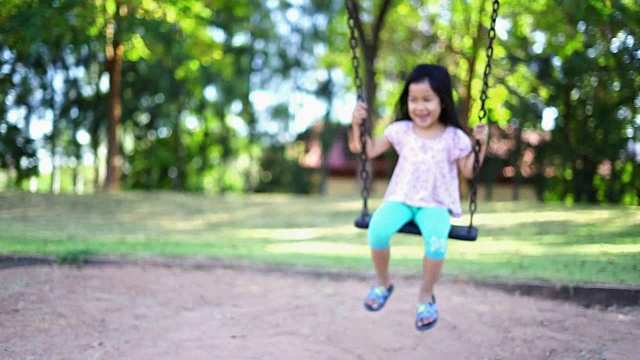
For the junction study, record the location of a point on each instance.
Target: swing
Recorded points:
(457, 232)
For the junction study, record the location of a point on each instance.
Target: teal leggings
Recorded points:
(434, 224)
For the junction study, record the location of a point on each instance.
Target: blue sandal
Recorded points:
(380, 295)
(427, 311)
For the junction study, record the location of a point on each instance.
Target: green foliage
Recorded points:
(55, 23)
(194, 71)
(587, 66)
(281, 172)
(17, 153)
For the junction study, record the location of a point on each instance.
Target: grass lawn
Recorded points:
(518, 240)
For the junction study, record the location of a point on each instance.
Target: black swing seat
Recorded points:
(458, 232)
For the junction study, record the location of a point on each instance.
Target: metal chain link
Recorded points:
(482, 114)
(352, 21)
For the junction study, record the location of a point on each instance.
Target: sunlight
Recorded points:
(599, 249)
(293, 234)
(538, 215)
(316, 247)
(519, 248)
(488, 249)
(192, 223)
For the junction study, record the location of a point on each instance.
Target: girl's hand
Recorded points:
(481, 133)
(359, 113)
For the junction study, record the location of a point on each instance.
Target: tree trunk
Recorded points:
(148, 180)
(114, 112)
(114, 52)
(54, 186)
(78, 185)
(370, 46)
(466, 100)
(250, 119)
(517, 177)
(180, 173)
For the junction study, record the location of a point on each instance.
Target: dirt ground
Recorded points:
(149, 312)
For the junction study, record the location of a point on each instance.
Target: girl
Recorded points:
(432, 148)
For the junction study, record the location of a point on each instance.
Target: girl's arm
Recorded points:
(375, 146)
(480, 132)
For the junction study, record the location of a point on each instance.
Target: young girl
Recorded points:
(432, 148)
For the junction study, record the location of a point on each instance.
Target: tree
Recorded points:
(370, 44)
(38, 57)
(587, 65)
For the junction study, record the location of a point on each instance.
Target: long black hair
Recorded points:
(440, 82)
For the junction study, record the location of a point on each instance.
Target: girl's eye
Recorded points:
(423, 99)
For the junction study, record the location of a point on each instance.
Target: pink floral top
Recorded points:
(427, 171)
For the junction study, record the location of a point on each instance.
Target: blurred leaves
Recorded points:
(193, 70)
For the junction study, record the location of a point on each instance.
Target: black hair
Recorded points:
(440, 82)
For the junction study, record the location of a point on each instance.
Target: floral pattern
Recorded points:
(427, 172)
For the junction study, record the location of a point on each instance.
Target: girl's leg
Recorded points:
(431, 270)
(434, 223)
(385, 222)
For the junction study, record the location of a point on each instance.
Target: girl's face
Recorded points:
(424, 105)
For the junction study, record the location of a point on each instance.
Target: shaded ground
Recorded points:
(130, 311)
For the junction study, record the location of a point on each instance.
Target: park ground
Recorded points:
(132, 310)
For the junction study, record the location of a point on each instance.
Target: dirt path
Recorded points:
(137, 312)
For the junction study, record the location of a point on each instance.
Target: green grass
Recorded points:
(518, 240)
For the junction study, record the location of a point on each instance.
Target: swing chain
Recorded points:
(352, 21)
(482, 114)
